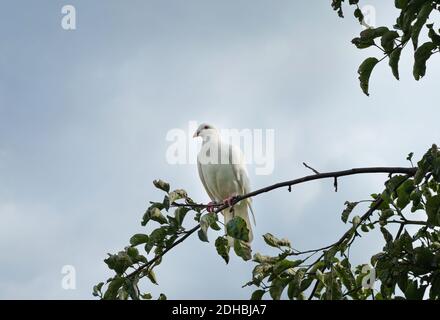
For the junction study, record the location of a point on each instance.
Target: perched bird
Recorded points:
(223, 173)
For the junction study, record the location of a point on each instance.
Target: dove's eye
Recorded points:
(205, 127)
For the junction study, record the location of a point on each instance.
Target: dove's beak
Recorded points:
(196, 134)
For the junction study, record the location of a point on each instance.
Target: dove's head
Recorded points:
(205, 131)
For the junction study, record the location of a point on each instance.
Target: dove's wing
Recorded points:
(237, 160)
(202, 177)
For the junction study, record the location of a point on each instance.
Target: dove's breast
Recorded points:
(218, 172)
(221, 180)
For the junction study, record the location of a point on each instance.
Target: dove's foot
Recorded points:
(229, 201)
(211, 207)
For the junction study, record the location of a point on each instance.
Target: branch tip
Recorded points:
(309, 167)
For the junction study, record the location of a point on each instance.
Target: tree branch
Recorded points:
(319, 176)
(289, 184)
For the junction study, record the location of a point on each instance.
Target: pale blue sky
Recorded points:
(84, 115)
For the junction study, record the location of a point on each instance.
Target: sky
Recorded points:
(84, 116)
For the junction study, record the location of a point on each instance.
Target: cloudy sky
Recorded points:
(84, 116)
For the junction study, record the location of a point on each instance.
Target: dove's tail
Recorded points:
(240, 210)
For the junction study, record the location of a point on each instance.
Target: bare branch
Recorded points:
(308, 167)
(335, 174)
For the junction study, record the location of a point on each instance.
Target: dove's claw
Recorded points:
(229, 201)
(211, 207)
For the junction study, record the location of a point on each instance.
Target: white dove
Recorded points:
(223, 173)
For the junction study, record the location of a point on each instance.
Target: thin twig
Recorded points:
(309, 167)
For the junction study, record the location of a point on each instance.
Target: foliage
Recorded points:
(144, 253)
(408, 267)
(411, 23)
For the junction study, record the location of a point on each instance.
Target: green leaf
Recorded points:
(146, 296)
(97, 289)
(132, 252)
(422, 16)
(320, 276)
(237, 229)
(162, 185)
(329, 255)
(119, 262)
(337, 6)
(404, 192)
(204, 226)
(380, 31)
(122, 294)
(372, 33)
(138, 239)
(365, 228)
(436, 172)
(165, 203)
(147, 215)
(242, 249)
(131, 288)
(177, 195)
(260, 272)
(433, 210)
(393, 183)
(277, 287)
(367, 37)
(222, 246)
(151, 275)
(434, 292)
(413, 291)
(258, 257)
(202, 236)
(402, 281)
(435, 38)
(422, 55)
(407, 241)
(376, 258)
(211, 220)
(386, 234)
(206, 221)
(113, 287)
(158, 236)
(156, 215)
(273, 241)
(180, 214)
(285, 264)
(401, 4)
(162, 297)
(257, 294)
(349, 208)
(387, 40)
(214, 226)
(294, 289)
(364, 72)
(424, 259)
(358, 14)
(305, 284)
(362, 43)
(346, 275)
